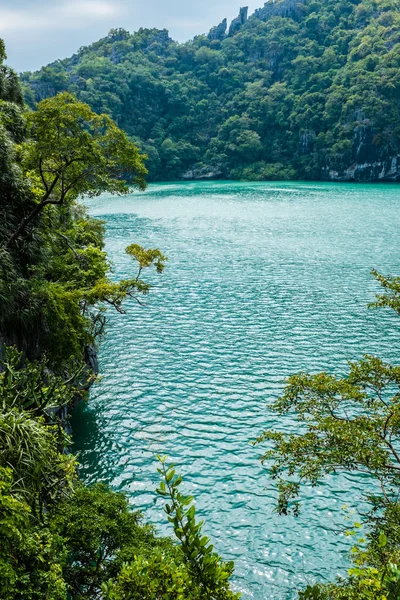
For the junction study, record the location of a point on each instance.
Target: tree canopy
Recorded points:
(306, 89)
(54, 281)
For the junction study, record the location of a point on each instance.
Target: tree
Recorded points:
(101, 534)
(347, 424)
(206, 568)
(72, 152)
(54, 279)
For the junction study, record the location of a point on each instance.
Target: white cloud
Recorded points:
(68, 15)
(91, 8)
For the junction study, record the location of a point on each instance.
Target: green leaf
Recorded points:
(382, 540)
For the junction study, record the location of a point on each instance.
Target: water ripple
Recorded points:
(263, 280)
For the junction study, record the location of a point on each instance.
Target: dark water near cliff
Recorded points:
(263, 280)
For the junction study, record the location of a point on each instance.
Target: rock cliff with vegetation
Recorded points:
(60, 539)
(301, 89)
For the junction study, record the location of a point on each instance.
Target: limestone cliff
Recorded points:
(279, 8)
(370, 162)
(218, 32)
(237, 23)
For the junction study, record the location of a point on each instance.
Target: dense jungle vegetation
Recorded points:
(62, 539)
(58, 538)
(304, 89)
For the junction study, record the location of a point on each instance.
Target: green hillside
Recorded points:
(307, 89)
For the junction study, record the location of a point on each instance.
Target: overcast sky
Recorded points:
(37, 32)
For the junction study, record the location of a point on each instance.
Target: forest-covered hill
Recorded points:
(301, 89)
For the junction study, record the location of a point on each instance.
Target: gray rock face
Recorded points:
(42, 90)
(279, 8)
(202, 173)
(75, 79)
(117, 55)
(91, 359)
(237, 23)
(384, 170)
(371, 162)
(306, 140)
(218, 32)
(160, 37)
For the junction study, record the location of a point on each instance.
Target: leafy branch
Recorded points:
(205, 565)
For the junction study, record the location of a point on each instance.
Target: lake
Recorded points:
(263, 280)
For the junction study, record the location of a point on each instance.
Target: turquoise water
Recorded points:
(263, 280)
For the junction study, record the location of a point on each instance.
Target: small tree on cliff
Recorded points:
(54, 279)
(71, 152)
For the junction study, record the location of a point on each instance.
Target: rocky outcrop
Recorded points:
(306, 140)
(370, 161)
(117, 55)
(78, 81)
(382, 170)
(161, 37)
(91, 360)
(279, 8)
(42, 90)
(202, 173)
(218, 32)
(238, 23)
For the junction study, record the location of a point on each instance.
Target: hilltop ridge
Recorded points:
(305, 89)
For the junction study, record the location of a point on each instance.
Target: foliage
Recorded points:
(391, 297)
(54, 281)
(32, 439)
(31, 449)
(71, 151)
(10, 89)
(31, 387)
(366, 583)
(205, 566)
(295, 92)
(347, 424)
(31, 557)
(189, 571)
(157, 575)
(101, 534)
